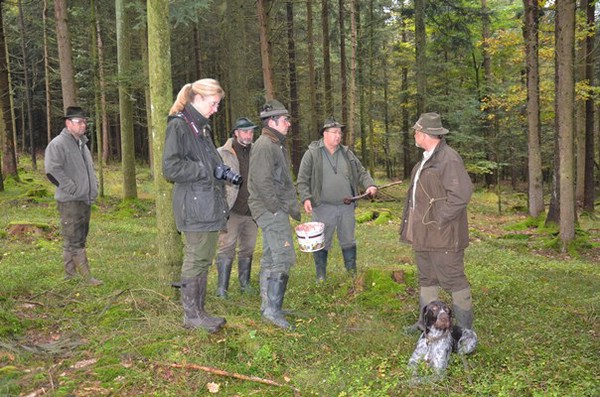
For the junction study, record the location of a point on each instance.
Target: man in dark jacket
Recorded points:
(69, 166)
(330, 172)
(272, 201)
(435, 219)
(241, 228)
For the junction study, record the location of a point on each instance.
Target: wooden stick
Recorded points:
(350, 200)
(221, 372)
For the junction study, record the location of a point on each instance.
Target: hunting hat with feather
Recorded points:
(331, 123)
(273, 108)
(431, 124)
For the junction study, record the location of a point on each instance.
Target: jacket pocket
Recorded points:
(200, 206)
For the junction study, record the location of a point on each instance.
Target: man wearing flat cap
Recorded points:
(435, 220)
(241, 228)
(330, 172)
(69, 166)
(272, 202)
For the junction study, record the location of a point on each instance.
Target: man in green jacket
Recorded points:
(435, 220)
(330, 172)
(272, 201)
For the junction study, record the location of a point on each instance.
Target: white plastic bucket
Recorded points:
(311, 236)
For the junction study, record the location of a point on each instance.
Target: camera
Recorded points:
(224, 172)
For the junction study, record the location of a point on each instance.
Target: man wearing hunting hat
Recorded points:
(69, 166)
(241, 228)
(272, 201)
(330, 172)
(435, 220)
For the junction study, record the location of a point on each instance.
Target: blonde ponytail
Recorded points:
(199, 87)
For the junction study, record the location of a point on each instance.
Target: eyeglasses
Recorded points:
(79, 121)
(285, 118)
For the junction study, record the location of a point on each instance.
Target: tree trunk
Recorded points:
(297, 148)
(407, 147)
(580, 121)
(565, 98)
(421, 56)
(370, 88)
(28, 104)
(47, 74)
(265, 50)
(312, 80)
(63, 40)
(343, 73)
(9, 158)
(352, 88)
(326, 59)
(159, 56)
(534, 162)
(125, 104)
(97, 95)
(589, 189)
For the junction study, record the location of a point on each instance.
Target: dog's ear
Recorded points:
(428, 317)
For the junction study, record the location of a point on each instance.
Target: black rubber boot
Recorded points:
(264, 285)
(192, 298)
(202, 281)
(349, 255)
(320, 258)
(277, 284)
(244, 271)
(224, 271)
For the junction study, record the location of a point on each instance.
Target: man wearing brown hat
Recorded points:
(272, 201)
(435, 220)
(241, 228)
(328, 173)
(69, 166)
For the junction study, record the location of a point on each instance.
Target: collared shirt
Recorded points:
(426, 156)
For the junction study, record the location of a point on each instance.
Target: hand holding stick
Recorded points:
(350, 200)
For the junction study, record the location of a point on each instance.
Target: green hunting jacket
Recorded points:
(269, 180)
(189, 161)
(310, 175)
(439, 219)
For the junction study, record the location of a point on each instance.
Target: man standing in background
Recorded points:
(241, 228)
(69, 166)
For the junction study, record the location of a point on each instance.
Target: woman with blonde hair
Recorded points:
(192, 163)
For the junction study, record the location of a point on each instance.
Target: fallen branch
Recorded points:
(221, 372)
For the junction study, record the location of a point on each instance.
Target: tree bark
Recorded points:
(328, 90)
(297, 148)
(47, 74)
(352, 88)
(265, 50)
(159, 55)
(314, 118)
(565, 98)
(63, 40)
(125, 104)
(534, 162)
(28, 104)
(421, 56)
(9, 159)
(343, 73)
(589, 189)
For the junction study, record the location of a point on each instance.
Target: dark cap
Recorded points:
(273, 108)
(331, 123)
(74, 112)
(430, 123)
(243, 124)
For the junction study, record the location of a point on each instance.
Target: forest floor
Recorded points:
(536, 310)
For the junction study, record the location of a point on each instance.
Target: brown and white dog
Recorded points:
(439, 339)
